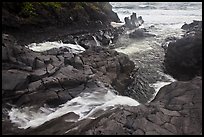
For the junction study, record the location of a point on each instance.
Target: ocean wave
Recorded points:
(157, 5)
(147, 7)
(124, 7)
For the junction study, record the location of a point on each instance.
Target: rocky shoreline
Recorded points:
(56, 76)
(183, 58)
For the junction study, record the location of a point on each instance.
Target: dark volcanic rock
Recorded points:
(139, 88)
(14, 79)
(174, 110)
(183, 58)
(133, 22)
(44, 21)
(114, 68)
(167, 41)
(128, 23)
(56, 76)
(162, 116)
(194, 26)
(140, 33)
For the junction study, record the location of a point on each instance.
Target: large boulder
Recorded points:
(183, 58)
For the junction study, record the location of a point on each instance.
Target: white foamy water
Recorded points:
(97, 42)
(40, 47)
(159, 84)
(166, 18)
(116, 25)
(85, 105)
(135, 47)
(163, 19)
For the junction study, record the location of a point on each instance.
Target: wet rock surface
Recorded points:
(58, 76)
(173, 112)
(194, 26)
(183, 58)
(140, 33)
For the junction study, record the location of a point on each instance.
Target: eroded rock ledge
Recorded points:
(176, 110)
(57, 76)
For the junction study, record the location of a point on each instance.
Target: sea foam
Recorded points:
(40, 47)
(85, 105)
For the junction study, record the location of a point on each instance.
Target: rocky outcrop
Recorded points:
(139, 88)
(173, 112)
(194, 26)
(183, 58)
(56, 76)
(41, 21)
(133, 22)
(43, 14)
(114, 69)
(176, 110)
(140, 33)
(103, 37)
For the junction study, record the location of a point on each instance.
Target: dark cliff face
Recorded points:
(43, 14)
(56, 18)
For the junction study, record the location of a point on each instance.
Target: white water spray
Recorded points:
(97, 42)
(40, 47)
(159, 84)
(85, 105)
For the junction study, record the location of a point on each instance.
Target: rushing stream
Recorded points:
(85, 105)
(161, 19)
(164, 19)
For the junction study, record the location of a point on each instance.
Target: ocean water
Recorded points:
(160, 14)
(164, 19)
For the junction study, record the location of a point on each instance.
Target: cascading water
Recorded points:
(40, 47)
(97, 42)
(85, 105)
